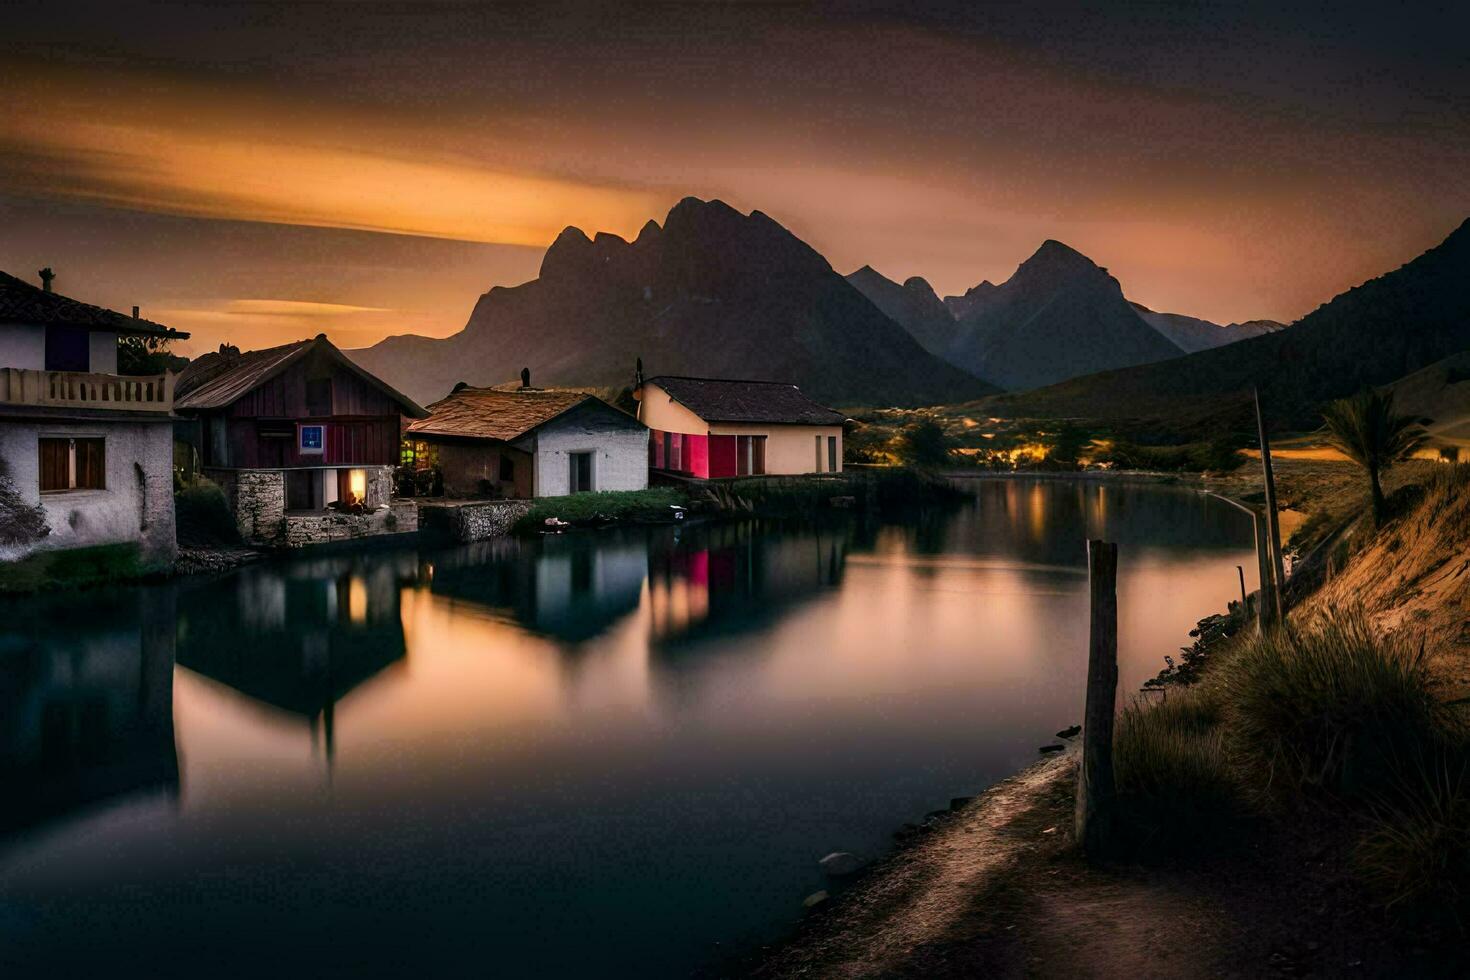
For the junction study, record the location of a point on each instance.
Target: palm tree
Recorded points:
(1370, 433)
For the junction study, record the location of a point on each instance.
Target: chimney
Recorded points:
(135, 313)
(46, 276)
(525, 377)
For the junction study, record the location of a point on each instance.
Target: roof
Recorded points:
(219, 379)
(21, 302)
(496, 413)
(727, 400)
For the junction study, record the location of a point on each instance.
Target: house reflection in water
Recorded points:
(298, 637)
(86, 705)
(571, 588)
(729, 578)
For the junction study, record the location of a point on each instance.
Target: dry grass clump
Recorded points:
(1329, 706)
(1174, 779)
(1416, 850)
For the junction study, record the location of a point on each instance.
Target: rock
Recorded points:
(1071, 732)
(1051, 748)
(960, 802)
(935, 815)
(814, 899)
(840, 863)
(906, 831)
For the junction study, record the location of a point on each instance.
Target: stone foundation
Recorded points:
(258, 500)
(472, 520)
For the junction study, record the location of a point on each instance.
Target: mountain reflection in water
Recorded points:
(624, 749)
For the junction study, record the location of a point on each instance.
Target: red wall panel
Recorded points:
(696, 456)
(721, 457)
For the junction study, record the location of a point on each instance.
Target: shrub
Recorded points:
(1331, 706)
(1174, 780)
(20, 523)
(202, 517)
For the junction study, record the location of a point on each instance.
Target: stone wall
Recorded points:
(474, 520)
(258, 499)
(619, 456)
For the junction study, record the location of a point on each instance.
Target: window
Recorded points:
(750, 455)
(819, 456)
(319, 396)
(66, 349)
(669, 451)
(72, 464)
(507, 469)
(580, 478)
(831, 454)
(311, 439)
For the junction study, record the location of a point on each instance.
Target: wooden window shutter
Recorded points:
(91, 465)
(55, 464)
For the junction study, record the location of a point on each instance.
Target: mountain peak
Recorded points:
(1057, 258)
(571, 251)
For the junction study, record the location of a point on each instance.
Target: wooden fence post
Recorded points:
(1266, 603)
(1273, 526)
(1095, 790)
(1244, 605)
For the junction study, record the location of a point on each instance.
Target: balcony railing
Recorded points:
(74, 389)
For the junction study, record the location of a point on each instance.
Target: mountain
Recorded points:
(712, 292)
(1375, 333)
(975, 297)
(913, 306)
(1058, 317)
(1192, 334)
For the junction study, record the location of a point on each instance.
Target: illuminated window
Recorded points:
(311, 440)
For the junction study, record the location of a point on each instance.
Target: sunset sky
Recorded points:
(262, 172)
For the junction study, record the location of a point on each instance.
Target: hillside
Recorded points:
(1440, 393)
(1058, 317)
(913, 306)
(1374, 333)
(712, 292)
(1192, 334)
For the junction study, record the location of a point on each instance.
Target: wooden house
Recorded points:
(294, 431)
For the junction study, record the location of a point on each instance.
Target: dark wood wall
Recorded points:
(362, 425)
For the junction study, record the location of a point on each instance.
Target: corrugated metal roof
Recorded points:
(495, 413)
(217, 380)
(21, 302)
(727, 400)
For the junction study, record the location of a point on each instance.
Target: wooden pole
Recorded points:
(1244, 606)
(1266, 603)
(1273, 527)
(1095, 790)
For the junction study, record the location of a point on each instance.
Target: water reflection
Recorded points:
(297, 637)
(86, 707)
(630, 745)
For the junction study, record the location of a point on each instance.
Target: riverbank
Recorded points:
(1333, 866)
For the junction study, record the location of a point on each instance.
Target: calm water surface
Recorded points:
(606, 754)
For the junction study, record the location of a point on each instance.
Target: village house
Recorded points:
(712, 428)
(529, 442)
(301, 439)
(90, 447)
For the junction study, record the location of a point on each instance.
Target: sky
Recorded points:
(260, 172)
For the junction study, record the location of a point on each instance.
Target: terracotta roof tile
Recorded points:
(496, 413)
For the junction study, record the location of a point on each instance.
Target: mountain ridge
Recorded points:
(711, 292)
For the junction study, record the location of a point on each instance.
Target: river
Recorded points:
(613, 753)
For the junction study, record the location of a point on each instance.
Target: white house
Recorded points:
(530, 442)
(92, 448)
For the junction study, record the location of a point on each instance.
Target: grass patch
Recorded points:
(75, 568)
(605, 507)
(1330, 706)
(1177, 790)
(1416, 851)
